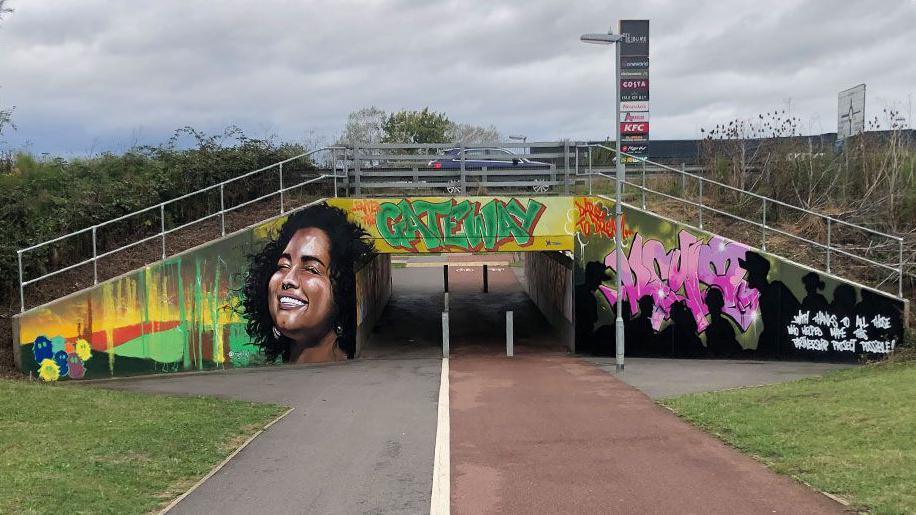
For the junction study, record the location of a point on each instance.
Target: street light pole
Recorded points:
(610, 39)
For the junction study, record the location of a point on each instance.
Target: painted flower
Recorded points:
(60, 358)
(75, 366)
(69, 347)
(48, 370)
(42, 349)
(83, 349)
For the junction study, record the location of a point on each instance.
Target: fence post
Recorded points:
(95, 261)
(701, 202)
(21, 286)
(161, 230)
(510, 343)
(222, 210)
(445, 277)
(444, 335)
(445, 303)
(356, 169)
(486, 286)
(282, 210)
(683, 180)
(900, 276)
(644, 184)
(334, 169)
(566, 167)
(829, 241)
(589, 170)
(461, 151)
(763, 245)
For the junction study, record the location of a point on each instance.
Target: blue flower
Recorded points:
(42, 349)
(60, 357)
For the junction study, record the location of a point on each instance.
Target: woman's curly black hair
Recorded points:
(349, 245)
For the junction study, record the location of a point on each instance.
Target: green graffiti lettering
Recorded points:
(464, 225)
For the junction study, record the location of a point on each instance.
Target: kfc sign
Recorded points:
(634, 128)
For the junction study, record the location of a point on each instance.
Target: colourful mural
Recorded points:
(467, 224)
(291, 290)
(688, 293)
(285, 290)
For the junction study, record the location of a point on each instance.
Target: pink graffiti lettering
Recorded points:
(683, 274)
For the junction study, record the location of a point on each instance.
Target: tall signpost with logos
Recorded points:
(850, 113)
(633, 87)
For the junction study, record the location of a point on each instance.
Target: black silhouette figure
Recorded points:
(638, 332)
(720, 335)
(587, 307)
(844, 304)
(777, 307)
(813, 301)
(681, 335)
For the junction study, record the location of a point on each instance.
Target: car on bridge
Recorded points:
(484, 159)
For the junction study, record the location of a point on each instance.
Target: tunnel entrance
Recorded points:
(481, 289)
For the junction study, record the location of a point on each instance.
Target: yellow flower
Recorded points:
(48, 370)
(83, 350)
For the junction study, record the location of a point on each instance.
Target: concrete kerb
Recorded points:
(223, 463)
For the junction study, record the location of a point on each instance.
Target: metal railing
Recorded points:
(281, 191)
(897, 268)
(408, 167)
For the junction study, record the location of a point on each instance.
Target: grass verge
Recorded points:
(90, 450)
(850, 433)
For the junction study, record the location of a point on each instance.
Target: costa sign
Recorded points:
(634, 84)
(634, 128)
(639, 116)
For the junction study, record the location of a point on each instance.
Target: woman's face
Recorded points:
(300, 298)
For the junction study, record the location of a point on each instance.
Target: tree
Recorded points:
(467, 133)
(364, 126)
(422, 126)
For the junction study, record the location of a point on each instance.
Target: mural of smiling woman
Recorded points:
(299, 295)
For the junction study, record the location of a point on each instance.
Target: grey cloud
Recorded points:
(97, 74)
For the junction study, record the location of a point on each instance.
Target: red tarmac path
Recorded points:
(549, 433)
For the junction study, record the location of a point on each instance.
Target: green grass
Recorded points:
(66, 449)
(851, 433)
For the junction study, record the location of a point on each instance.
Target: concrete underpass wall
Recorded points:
(690, 293)
(187, 313)
(373, 290)
(549, 283)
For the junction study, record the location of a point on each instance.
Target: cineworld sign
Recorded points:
(634, 128)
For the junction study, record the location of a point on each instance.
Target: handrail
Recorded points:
(163, 232)
(897, 267)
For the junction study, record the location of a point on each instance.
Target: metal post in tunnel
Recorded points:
(486, 282)
(444, 335)
(445, 277)
(510, 340)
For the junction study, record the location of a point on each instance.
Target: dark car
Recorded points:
(491, 158)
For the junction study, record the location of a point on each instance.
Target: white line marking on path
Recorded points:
(440, 501)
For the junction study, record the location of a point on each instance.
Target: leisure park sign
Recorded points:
(634, 89)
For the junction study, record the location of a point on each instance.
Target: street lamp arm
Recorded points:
(601, 39)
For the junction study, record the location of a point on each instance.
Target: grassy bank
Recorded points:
(851, 433)
(88, 450)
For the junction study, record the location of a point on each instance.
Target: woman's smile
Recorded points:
(288, 302)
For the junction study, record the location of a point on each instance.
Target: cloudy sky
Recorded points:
(93, 75)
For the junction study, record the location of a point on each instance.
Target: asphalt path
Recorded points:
(360, 440)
